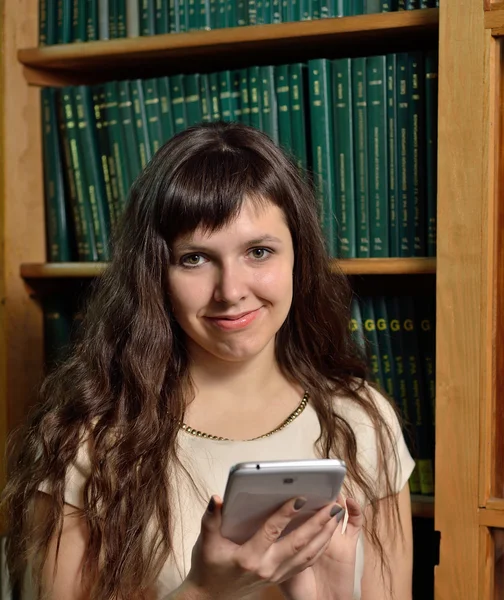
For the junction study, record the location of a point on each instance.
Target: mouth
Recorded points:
(234, 322)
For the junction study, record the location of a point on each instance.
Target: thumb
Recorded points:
(212, 518)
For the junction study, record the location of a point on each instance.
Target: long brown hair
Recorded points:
(126, 384)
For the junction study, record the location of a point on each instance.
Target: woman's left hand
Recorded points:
(331, 575)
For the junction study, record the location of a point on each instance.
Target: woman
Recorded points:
(218, 314)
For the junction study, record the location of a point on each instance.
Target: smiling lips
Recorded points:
(234, 322)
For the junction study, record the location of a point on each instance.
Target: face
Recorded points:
(231, 289)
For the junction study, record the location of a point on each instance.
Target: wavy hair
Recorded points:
(126, 383)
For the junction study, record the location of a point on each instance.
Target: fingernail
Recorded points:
(336, 510)
(211, 505)
(340, 515)
(300, 502)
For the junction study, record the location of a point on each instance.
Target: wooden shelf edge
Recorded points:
(84, 55)
(494, 19)
(385, 266)
(422, 506)
(356, 266)
(491, 518)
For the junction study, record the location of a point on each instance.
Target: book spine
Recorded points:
(215, 110)
(121, 18)
(57, 231)
(276, 11)
(192, 15)
(132, 18)
(244, 97)
(204, 14)
(107, 20)
(323, 147)
(127, 122)
(117, 143)
(192, 99)
(152, 114)
(225, 95)
(140, 121)
(178, 102)
(206, 100)
(385, 347)
(43, 23)
(373, 349)
(372, 7)
(255, 98)
(416, 75)
(392, 157)
(161, 23)
(406, 219)
(269, 103)
(376, 78)
(81, 209)
(344, 158)
(359, 100)
(357, 329)
(91, 161)
(236, 104)
(79, 21)
(284, 111)
(297, 103)
(92, 23)
(167, 125)
(431, 126)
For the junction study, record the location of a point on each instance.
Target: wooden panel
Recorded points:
(461, 299)
(494, 19)
(491, 518)
(22, 235)
(200, 50)
(358, 266)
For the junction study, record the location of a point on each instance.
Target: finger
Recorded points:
(321, 527)
(354, 518)
(212, 518)
(272, 528)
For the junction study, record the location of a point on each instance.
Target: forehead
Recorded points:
(255, 219)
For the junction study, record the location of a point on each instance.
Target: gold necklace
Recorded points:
(294, 415)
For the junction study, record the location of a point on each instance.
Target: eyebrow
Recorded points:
(263, 239)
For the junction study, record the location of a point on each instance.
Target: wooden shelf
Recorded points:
(422, 506)
(224, 47)
(357, 266)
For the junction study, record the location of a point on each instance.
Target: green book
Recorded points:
(319, 71)
(161, 17)
(287, 15)
(93, 172)
(43, 38)
(431, 126)
(344, 158)
(401, 5)
(412, 4)
(417, 397)
(192, 7)
(372, 6)
(354, 7)
(117, 141)
(244, 97)
(221, 14)
(183, 15)
(225, 104)
(276, 11)
(127, 120)
(315, 9)
(385, 347)
(297, 73)
(59, 247)
(178, 102)
(255, 98)
(392, 158)
(396, 340)
(147, 17)
(83, 216)
(252, 12)
(153, 114)
(269, 102)
(192, 99)
(373, 348)
(205, 97)
(215, 111)
(105, 152)
(121, 18)
(204, 14)
(231, 16)
(267, 11)
(167, 126)
(92, 24)
(236, 104)
(416, 75)
(140, 115)
(425, 311)
(305, 10)
(79, 20)
(405, 171)
(376, 77)
(107, 14)
(357, 328)
(64, 21)
(282, 82)
(359, 102)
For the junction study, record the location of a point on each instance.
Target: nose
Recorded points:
(231, 285)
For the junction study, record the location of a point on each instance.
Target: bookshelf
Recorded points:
(468, 507)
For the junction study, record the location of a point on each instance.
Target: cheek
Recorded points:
(276, 284)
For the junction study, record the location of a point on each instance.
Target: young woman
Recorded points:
(217, 335)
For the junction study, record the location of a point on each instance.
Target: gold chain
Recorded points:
(294, 415)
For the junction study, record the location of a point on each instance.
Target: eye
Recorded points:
(260, 253)
(192, 260)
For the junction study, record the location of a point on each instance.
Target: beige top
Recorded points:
(209, 461)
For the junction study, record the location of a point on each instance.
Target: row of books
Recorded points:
(366, 127)
(397, 335)
(67, 21)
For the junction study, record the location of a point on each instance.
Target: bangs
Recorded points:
(207, 189)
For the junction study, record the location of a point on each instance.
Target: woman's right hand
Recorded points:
(223, 570)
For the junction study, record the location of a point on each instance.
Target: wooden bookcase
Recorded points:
(469, 503)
